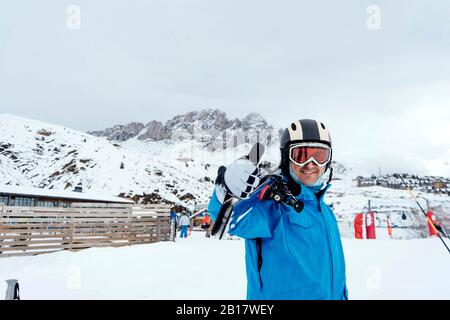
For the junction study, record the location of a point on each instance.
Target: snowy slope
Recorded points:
(9, 173)
(50, 156)
(34, 153)
(391, 269)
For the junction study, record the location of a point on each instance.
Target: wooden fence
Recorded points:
(37, 230)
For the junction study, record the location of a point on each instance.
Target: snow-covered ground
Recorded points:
(188, 268)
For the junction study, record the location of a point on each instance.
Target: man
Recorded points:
(289, 254)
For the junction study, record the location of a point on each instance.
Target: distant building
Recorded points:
(35, 197)
(198, 219)
(429, 184)
(438, 184)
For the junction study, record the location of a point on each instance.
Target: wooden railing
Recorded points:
(36, 230)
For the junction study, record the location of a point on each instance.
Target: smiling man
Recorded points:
(292, 252)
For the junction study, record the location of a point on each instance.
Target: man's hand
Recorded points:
(241, 177)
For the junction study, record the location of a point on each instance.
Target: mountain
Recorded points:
(120, 132)
(193, 124)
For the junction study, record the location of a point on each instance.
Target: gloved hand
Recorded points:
(241, 177)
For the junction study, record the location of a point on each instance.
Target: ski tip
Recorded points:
(256, 153)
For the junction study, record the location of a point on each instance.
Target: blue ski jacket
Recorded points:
(301, 253)
(173, 216)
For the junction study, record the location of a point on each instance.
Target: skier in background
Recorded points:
(184, 225)
(174, 217)
(206, 225)
(289, 254)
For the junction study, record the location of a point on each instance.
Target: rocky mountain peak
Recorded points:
(192, 123)
(120, 132)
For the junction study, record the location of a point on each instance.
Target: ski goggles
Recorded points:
(303, 153)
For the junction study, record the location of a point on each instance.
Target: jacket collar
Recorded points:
(307, 194)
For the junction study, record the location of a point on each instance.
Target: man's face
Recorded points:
(309, 173)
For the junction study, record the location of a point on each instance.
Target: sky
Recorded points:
(377, 76)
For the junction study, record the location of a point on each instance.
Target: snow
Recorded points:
(397, 269)
(207, 268)
(28, 191)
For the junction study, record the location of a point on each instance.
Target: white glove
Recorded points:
(240, 179)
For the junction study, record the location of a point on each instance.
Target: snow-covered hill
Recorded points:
(179, 168)
(33, 153)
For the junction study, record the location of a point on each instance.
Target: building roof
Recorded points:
(58, 194)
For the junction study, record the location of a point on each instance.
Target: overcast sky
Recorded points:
(384, 93)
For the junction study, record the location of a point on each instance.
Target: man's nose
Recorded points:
(311, 165)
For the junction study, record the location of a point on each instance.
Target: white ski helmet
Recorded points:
(304, 130)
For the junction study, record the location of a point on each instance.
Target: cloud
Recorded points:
(382, 92)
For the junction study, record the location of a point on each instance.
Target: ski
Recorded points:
(224, 217)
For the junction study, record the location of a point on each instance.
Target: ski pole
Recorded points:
(423, 211)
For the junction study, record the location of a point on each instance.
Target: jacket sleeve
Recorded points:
(214, 206)
(250, 218)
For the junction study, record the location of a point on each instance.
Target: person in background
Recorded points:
(184, 225)
(206, 225)
(174, 218)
